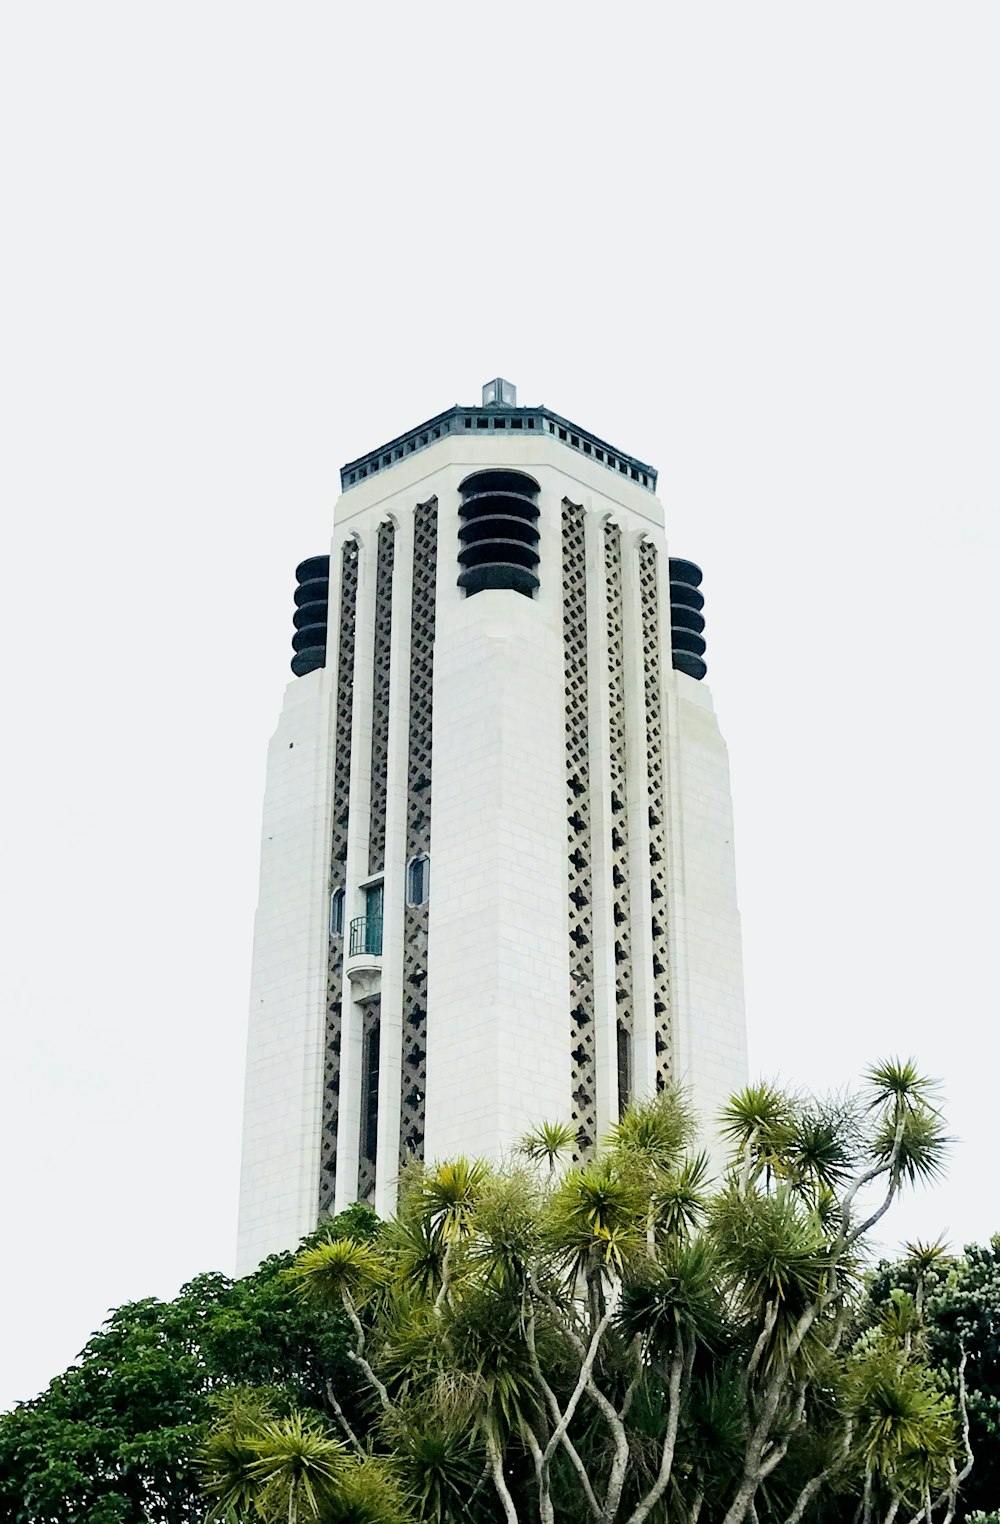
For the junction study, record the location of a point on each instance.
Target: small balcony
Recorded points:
(366, 936)
(363, 964)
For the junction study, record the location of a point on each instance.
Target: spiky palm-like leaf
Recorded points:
(775, 1256)
(226, 1461)
(924, 1257)
(228, 1454)
(714, 1429)
(446, 1197)
(679, 1198)
(821, 1147)
(297, 1469)
(367, 1492)
(548, 1143)
(899, 1322)
(901, 1417)
(507, 1228)
(439, 1459)
(655, 1132)
(912, 1144)
(596, 1218)
(673, 1297)
(757, 1122)
(896, 1083)
(414, 1253)
(486, 1346)
(410, 1344)
(328, 1271)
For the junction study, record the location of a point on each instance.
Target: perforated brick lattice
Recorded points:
(619, 812)
(418, 831)
(338, 859)
(656, 787)
(380, 697)
(581, 927)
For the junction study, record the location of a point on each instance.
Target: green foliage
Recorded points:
(672, 1296)
(625, 1340)
(115, 1437)
(960, 1299)
(548, 1142)
(436, 1450)
(335, 1266)
(595, 1219)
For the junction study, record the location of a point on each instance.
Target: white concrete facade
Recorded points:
(530, 985)
(282, 1114)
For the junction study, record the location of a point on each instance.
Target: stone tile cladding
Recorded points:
(380, 697)
(418, 832)
(656, 789)
(338, 858)
(581, 929)
(617, 764)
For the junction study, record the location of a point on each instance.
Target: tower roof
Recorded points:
(498, 415)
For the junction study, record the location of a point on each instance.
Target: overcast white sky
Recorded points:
(757, 245)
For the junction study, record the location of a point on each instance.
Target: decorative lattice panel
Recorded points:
(619, 799)
(657, 800)
(418, 831)
(581, 927)
(338, 860)
(380, 697)
(370, 1040)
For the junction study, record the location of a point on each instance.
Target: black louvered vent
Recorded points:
(687, 643)
(312, 601)
(499, 532)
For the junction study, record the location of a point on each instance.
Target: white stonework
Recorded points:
(466, 1005)
(710, 1045)
(281, 1128)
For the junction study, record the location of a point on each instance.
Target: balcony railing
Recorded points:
(366, 936)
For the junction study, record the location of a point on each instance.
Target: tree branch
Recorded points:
(680, 1370)
(777, 1452)
(811, 1488)
(752, 1469)
(554, 1410)
(445, 1280)
(586, 1371)
(949, 1494)
(608, 1411)
(770, 1318)
(362, 1364)
(349, 1433)
(499, 1481)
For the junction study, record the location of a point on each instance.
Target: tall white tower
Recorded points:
(497, 880)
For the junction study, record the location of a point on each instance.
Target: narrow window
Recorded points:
(418, 880)
(337, 913)
(624, 1068)
(369, 1093)
(373, 918)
